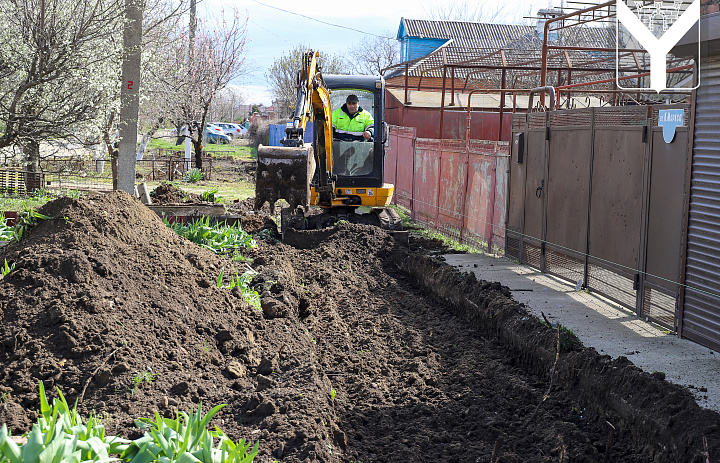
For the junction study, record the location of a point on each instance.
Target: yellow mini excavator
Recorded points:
(345, 178)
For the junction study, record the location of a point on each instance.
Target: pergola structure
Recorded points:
(581, 61)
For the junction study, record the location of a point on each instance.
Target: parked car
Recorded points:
(209, 128)
(212, 128)
(218, 138)
(232, 130)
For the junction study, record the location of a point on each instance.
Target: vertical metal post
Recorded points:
(645, 213)
(543, 64)
(493, 185)
(452, 86)
(586, 271)
(442, 103)
(463, 214)
(406, 82)
(502, 104)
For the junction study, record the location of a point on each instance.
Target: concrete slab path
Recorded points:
(604, 325)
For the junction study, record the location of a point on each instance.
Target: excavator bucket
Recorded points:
(284, 173)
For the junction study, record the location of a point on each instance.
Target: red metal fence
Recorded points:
(457, 187)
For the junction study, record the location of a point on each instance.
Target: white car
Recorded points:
(232, 130)
(211, 128)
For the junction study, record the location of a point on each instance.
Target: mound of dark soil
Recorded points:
(363, 350)
(167, 193)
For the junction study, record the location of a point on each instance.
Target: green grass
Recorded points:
(421, 230)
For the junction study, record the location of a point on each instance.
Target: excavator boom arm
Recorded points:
(286, 172)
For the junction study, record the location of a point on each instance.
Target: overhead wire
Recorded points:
(321, 21)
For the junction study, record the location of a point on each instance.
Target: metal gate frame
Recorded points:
(581, 203)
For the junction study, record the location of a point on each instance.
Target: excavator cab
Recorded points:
(358, 165)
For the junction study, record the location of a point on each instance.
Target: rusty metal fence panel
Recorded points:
(425, 181)
(485, 192)
(598, 200)
(451, 189)
(401, 167)
(458, 187)
(501, 157)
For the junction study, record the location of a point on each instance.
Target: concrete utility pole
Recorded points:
(130, 95)
(193, 27)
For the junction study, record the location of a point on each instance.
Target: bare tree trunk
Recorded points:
(146, 138)
(31, 149)
(112, 150)
(197, 147)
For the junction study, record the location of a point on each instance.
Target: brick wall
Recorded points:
(709, 7)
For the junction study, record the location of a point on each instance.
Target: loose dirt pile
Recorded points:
(364, 350)
(167, 193)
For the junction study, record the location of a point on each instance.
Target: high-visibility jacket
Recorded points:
(347, 127)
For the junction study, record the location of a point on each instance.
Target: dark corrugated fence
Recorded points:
(701, 308)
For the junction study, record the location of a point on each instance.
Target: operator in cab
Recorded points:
(351, 122)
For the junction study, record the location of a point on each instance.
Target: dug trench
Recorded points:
(364, 349)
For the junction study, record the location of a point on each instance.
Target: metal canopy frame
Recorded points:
(580, 63)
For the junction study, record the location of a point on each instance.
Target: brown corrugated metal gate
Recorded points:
(597, 197)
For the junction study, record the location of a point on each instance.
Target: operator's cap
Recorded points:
(352, 99)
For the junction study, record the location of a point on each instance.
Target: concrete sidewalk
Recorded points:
(602, 324)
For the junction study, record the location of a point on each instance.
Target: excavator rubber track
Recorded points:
(284, 173)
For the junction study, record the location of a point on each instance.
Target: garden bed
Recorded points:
(364, 349)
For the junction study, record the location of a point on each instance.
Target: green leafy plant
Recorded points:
(6, 231)
(5, 269)
(267, 235)
(61, 436)
(242, 282)
(141, 379)
(186, 439)
(28, 219)
(193, 175)
(211, 195)
(332, 394)
(218, 237)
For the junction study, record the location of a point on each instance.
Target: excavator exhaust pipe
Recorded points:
(284, 173)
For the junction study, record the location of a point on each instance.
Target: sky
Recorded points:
(276, 26)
